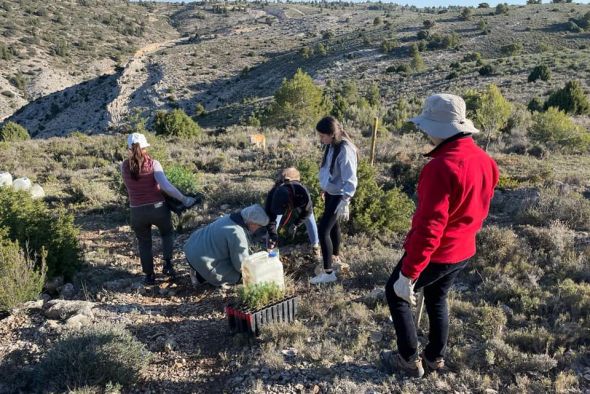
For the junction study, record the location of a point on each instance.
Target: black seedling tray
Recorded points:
(242, 319)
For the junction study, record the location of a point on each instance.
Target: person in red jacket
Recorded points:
(454, 192)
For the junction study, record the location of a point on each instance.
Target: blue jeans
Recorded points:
(310, 226)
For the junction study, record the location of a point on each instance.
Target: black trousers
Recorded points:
(436, 279)
(329, 230)
(142, 220)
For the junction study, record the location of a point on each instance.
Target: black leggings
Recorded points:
(329, 230)
(436, 279)
(142, 219)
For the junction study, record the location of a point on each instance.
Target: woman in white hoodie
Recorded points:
(338, 182)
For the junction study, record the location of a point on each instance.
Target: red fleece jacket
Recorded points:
(454, 193)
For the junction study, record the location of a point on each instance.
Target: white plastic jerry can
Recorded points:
(263, 267)
(5, 179)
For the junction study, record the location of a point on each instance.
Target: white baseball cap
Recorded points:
(443, 116)
(137, 138)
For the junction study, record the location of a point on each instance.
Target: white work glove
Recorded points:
(404, 289)
(188, 201)
(343, 210)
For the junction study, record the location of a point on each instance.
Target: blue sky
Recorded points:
(436, 3)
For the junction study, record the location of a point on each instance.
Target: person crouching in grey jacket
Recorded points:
(216, 252)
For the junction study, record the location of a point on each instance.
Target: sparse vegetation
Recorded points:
(42, 231)
(19, 280)
(12, 132)
(95, 356)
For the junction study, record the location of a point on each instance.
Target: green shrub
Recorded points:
(574, 297)
(540, 72)
(558, 131)
(185, 180)
(466, 14)
(428, 23)
(19, 280)
(389, 45)
(176, 123)
(571, 99)
(13, 132)
(570, 208)
(511, 49)
(375, 211)
(472, 57)
(309, 171)
(297, 102)
(487, 69)
(200, 110)
(94, 356)
(259, 295)
(502, 9)
(417, 62)
(33, 224)
(489, 321)
(493, 112)
(535, 105)
(446, 41)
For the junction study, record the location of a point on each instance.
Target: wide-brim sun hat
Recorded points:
(443, 116)
(137, 138)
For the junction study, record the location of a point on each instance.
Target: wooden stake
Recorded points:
(374, 140)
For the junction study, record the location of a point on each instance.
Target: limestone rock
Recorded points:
(37, 191)
(78, 321)
(63, 309)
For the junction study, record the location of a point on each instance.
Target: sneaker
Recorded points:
(435, 365)
(168, 269)
(394, 362)
(324, 277)
(149, 280)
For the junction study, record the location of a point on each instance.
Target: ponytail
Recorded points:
(136, 161)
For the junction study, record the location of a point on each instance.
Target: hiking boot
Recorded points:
(149, 280)
(435, 365)
(324, 277)
(168, 269)
(394, 362)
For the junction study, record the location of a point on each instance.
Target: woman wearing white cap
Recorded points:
(145, 181)
(455, 189)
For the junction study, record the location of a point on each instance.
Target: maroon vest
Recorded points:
(144, 190)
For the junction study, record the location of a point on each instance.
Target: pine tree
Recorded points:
(417, 61)
(297, 102)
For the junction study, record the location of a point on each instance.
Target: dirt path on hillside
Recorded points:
(133, 76)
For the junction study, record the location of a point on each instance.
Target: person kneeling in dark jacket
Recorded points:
(289, 201)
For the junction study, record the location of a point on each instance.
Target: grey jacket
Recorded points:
(217, 250)
(341, 179)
